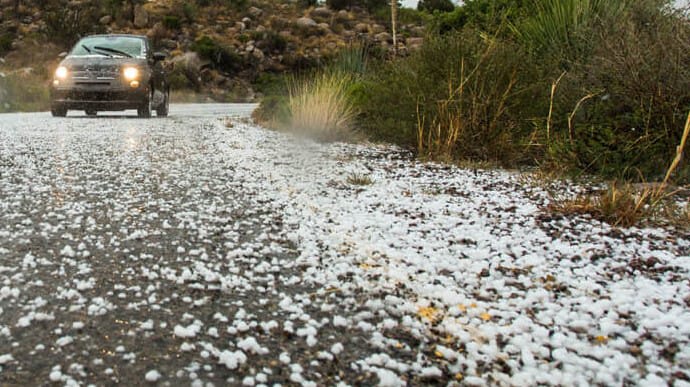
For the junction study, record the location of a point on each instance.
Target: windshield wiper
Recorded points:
(114, 51)
(91, 52)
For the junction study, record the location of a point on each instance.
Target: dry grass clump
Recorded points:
(359, 179)
(626, 205)
(320, 106)
(619, 205)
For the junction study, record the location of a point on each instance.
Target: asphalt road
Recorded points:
(132, 251)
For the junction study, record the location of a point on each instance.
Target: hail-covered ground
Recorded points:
(206, 251)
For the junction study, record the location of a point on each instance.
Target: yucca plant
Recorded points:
(563, 27)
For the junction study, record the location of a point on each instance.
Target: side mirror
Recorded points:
(159, 56)
(62, 54)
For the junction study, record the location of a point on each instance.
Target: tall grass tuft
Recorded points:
(320, 106)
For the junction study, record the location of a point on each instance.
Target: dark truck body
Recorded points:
(99, 78)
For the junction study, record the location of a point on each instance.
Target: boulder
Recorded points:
(258, 54)
(141, 17)
(322, 12)
(169, 44)
(255, 12)
(189, 61)
(306, 22)
(378, 28)
(383, 37)
(343, 15)
(362, 28)
(105, 20)
(414, 43)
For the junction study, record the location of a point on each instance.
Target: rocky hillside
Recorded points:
(228, 50)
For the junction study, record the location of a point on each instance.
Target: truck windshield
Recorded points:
(113, 45)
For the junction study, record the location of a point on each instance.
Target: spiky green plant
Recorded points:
(563, 27)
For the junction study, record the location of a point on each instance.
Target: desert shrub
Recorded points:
(352, 60)
(171, 22)
(236, 4)
(370, 5)
(190, 11)
(485, 15)
(271, 84)
(639, 78)
(221, 57)
(565, 28)
(65, 25)
(412, 16)
(6, 43)
(273, 112)
(23, 92)
(458, 97)
(271, 41)
(435, 5)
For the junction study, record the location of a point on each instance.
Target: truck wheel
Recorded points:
(58, 111)
(144, 111)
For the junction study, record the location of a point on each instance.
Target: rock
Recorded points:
(247, 21)
(343, 15)
(255, 12)
(362, 28)
(322, 12)
(377, 28)
(141, 17)
(285, 34)
(239, 26)
(324, 26)
(258, 54)
(260, 29)
(418, 31)
(306, 22)
(189, 61)
(169, 44)
(105, 20)
(414, 43)
(383, 37)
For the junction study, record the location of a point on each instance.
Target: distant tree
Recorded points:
(370, 5)
(486, 15)
(435, 5)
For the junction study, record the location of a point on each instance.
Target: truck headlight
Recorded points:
(131, 73)
(61, 72)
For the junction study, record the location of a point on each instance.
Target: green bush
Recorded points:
(273, 112)
(639, 72)
(461, 90)
(271, 84)
(370, 5)
(435, 5)
(481, 89)
(6, 43)
(485, 15)
(221, 57)
(23, 92)
(171, 22)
